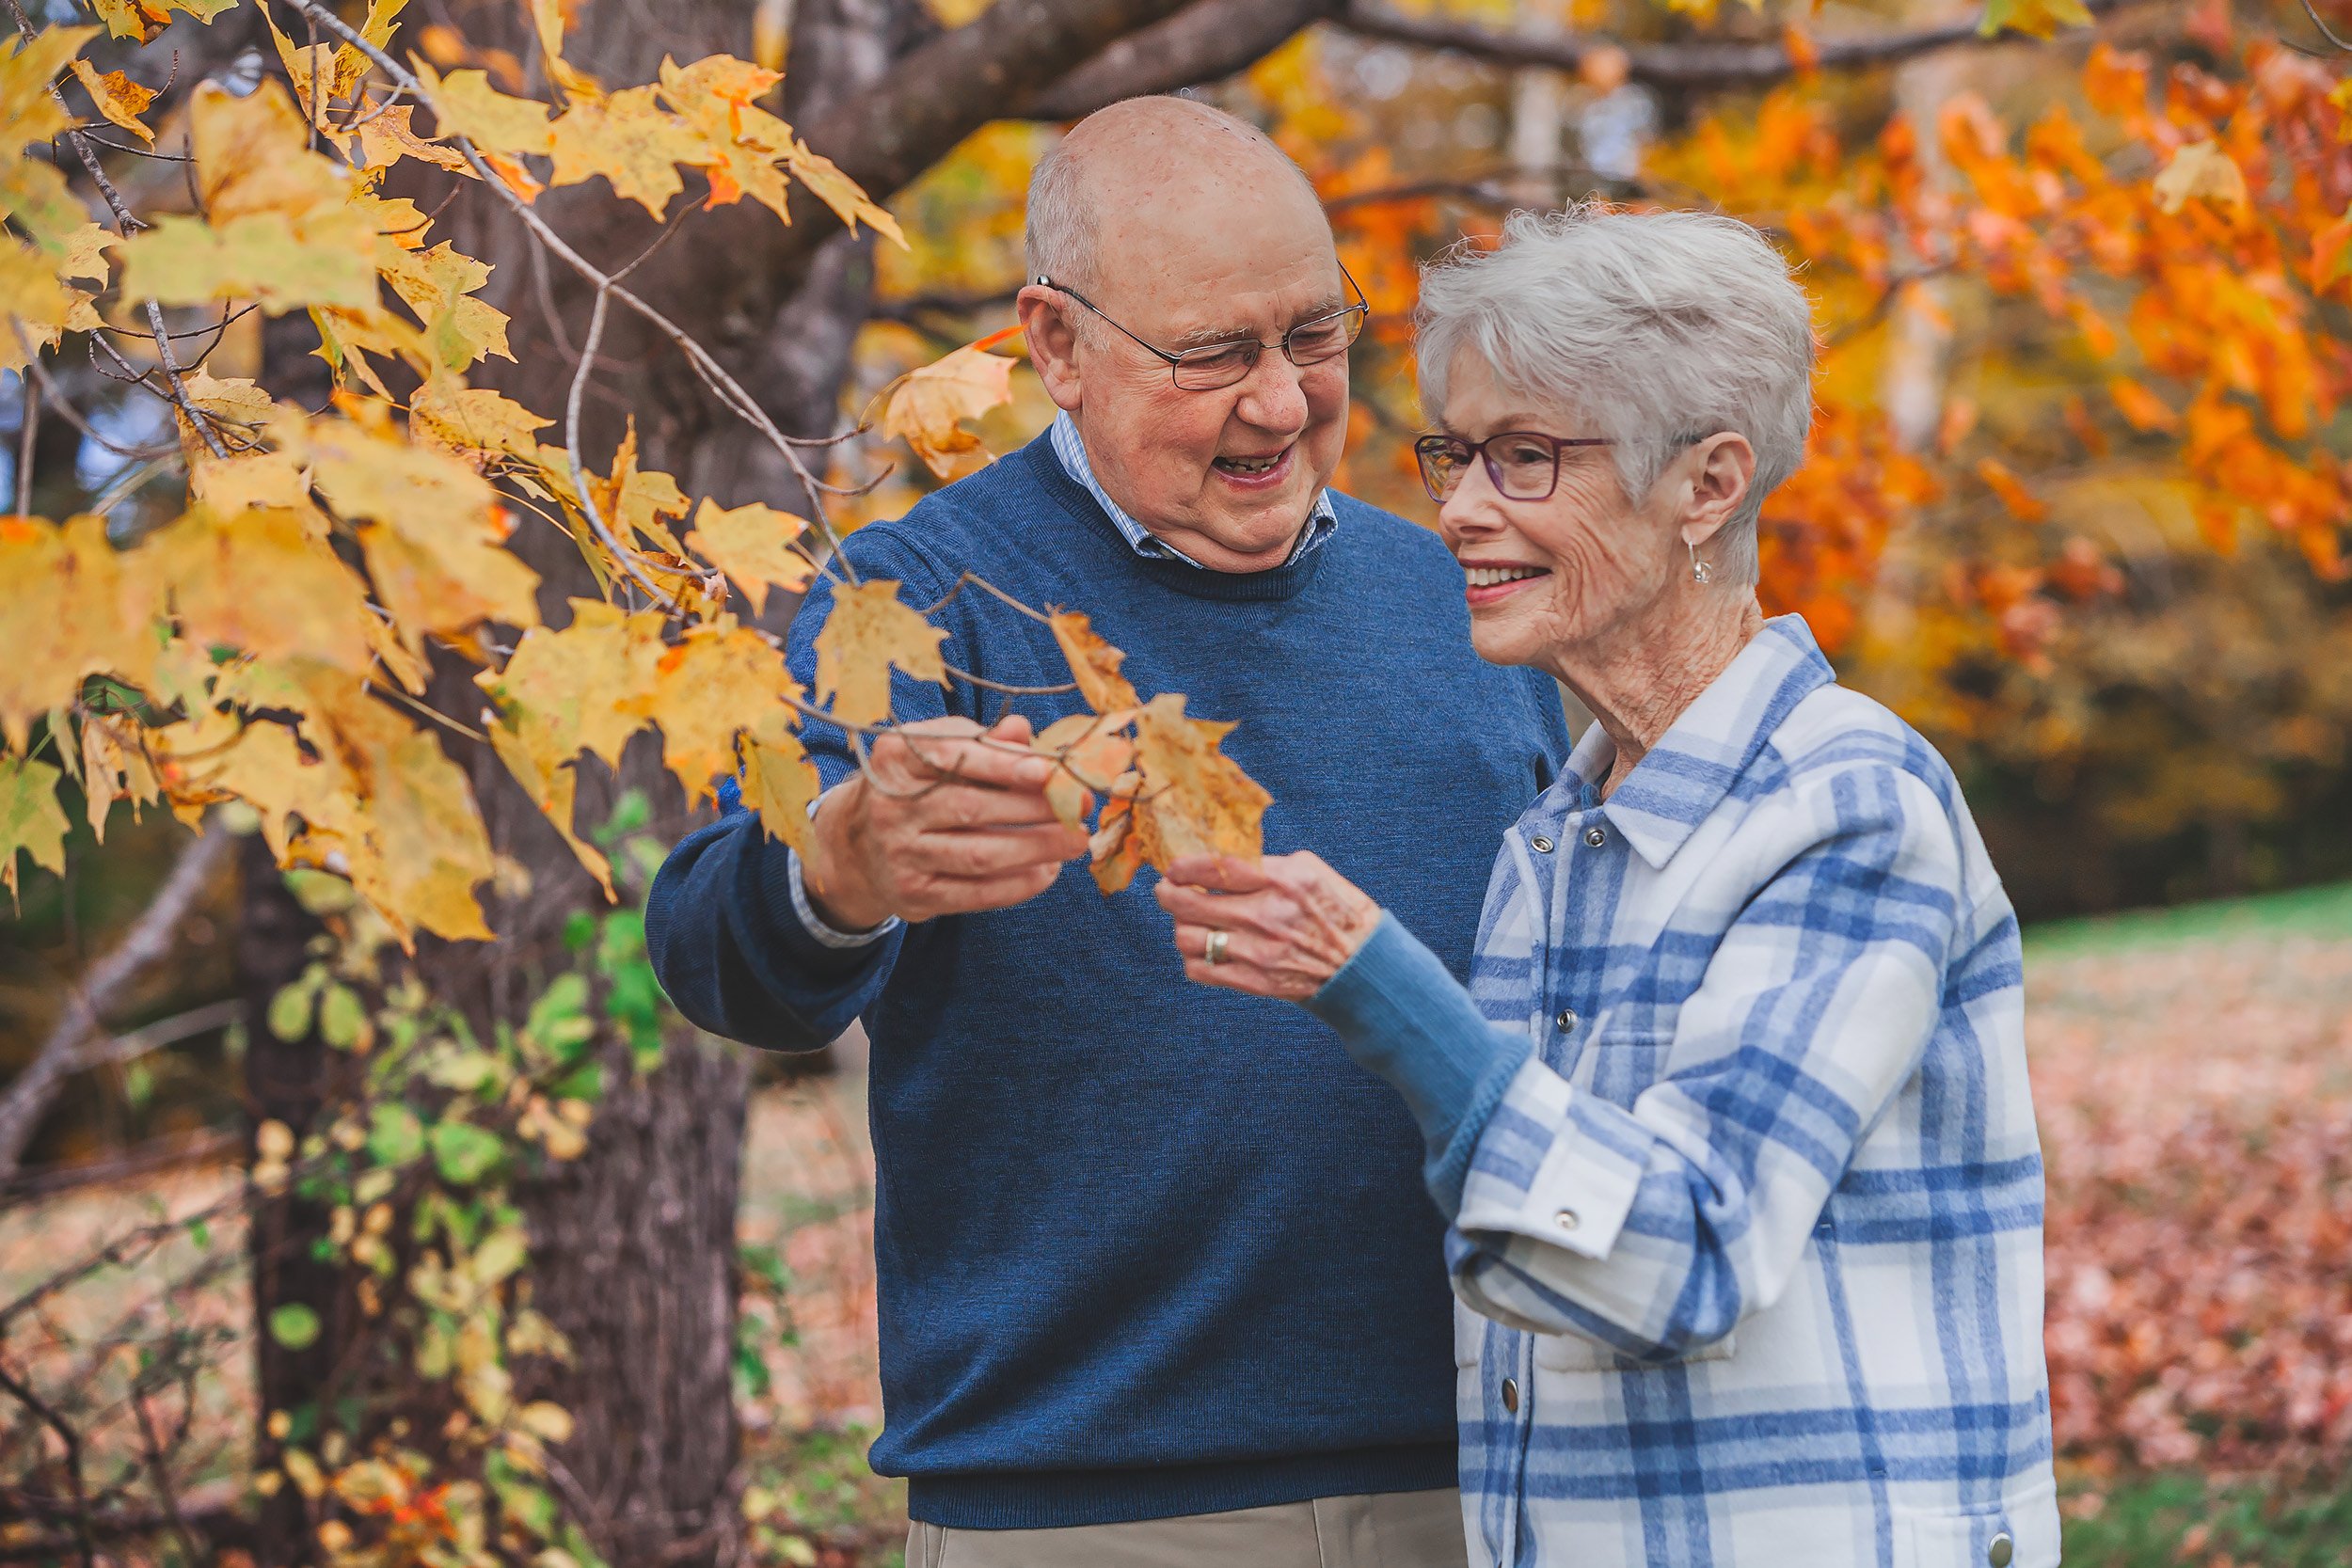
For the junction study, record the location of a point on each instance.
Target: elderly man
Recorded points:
(1158, 1281)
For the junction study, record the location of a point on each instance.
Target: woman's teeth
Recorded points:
(1486, 576)
(1247, 465)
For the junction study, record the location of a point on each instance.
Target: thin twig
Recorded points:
(165, 1493)
(66, 1434)
(622, 553)
(2325, 31)
(981, 681)
(976, 580)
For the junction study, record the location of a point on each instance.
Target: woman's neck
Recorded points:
(1643, 675)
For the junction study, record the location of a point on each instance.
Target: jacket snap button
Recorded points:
(1595, 839)
(2000, 1551)
(1511, 1402)
(1541, 844)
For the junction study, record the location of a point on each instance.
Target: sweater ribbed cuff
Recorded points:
(1402, 1015)
(816, 948)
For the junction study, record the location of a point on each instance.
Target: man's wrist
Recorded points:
(843, 900)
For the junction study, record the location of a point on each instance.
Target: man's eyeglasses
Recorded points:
(1215, 365)
(1523, 465)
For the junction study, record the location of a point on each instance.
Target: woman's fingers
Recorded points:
(1221, 872)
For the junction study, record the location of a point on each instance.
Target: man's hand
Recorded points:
(946, 819)
(1287, 923)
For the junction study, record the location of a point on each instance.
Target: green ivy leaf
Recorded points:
(465, 1153)
(293, 1325)
(342, 1017)
(395, 1136)
(290, 1009)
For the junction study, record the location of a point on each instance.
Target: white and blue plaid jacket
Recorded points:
(1750, 1248)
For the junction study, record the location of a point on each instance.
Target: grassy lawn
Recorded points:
(2164, 1521)
(2314, 911)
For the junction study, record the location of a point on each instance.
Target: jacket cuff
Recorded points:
(1402, 1015)
(816, 947)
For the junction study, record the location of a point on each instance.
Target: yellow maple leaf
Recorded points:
(563, 692)
(1094, 752)
(633, 500)
(118, 98)
(547, 16)
(465, 104)
(439, 285)
(753, 544)
(714, 96)
(836, 190)
(720, 679)
(1200, 800)
(320, 74)
(924, 407)
(263, 256)
(2040, 19)
(781, 785)
(261, 581)
(28, 113)
(74, 606)
(235, 407)
(429, 840)
(1094, 663)
(630, 140)
(30, 818)
(37, 306)
(114, 767)
(383, 137)
(2199, 170)
(868, 632)
(473, 423)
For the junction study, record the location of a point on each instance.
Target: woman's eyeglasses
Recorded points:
(1213, 366)
(1523, 465)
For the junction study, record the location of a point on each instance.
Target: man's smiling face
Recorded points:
(1202, 238)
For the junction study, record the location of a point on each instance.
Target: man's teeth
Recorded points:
(1486, 576)
(1249, 465)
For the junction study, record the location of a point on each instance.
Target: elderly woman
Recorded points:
(1731, 1121)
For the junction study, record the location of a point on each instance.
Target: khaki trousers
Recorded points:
(1390, 1530)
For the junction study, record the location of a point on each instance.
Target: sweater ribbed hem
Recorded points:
(1055, 1499)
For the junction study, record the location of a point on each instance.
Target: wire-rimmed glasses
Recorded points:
(1213, 366)
(1523, 465)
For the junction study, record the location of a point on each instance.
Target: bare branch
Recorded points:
(1207, 41)
(23, 1395)
(1708, 64)
(989, 68)
(147, 943)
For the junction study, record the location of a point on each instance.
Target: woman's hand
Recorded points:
(1289, 922)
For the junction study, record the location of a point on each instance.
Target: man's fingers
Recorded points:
(955, 807)
(978, 854)
(994, 762)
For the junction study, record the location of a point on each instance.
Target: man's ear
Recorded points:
(1718, 472)
(1053, 343)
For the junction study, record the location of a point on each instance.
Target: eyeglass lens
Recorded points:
(1523, 468)
(1307, 343)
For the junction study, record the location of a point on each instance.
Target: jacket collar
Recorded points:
(1683, 778)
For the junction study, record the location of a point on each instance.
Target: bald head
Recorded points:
(1149, 167)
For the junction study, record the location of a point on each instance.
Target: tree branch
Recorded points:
(1706, 64)
(989, 68)
(146, 943)
(1206, 41)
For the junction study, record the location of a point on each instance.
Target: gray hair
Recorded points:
(1656, 328)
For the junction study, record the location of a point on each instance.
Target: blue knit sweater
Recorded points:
(1144, 1247)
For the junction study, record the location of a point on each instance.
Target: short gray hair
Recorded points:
(1656, 328)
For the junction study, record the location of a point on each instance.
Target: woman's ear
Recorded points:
(1053, 343)
(1718, 471)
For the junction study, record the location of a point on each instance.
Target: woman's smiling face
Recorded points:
(1542, 577)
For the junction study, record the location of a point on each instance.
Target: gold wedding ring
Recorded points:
(1216, 945)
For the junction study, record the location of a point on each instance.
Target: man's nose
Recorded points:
(1271, 396)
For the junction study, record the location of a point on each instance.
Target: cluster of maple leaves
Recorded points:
(269, 645)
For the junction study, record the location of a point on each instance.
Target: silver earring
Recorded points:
(1700, 572)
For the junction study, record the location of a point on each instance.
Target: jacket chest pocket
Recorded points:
(1573, 1353)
